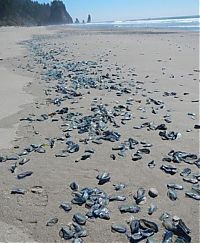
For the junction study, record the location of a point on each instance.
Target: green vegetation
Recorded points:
(29, 13)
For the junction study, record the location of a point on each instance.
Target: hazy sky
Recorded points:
(128, 9)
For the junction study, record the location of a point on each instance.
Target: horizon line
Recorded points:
(153, 18)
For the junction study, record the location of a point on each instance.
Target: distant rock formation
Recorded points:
(77, 21)
(59, 14)
(83, 22)
(89, 20)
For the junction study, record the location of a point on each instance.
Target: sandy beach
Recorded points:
(71, 84)
(12, 94)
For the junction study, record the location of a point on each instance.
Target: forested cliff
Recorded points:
(29, 13)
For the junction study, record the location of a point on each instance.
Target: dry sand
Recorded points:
(163, 62)
(12, 99)
(12, 94)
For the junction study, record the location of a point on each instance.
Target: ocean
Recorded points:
(191, 23)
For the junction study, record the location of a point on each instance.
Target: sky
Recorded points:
(105, 10)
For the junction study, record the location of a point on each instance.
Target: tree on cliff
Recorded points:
(59, 14)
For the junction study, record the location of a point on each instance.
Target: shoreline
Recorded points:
(147, 57)
(133, 29)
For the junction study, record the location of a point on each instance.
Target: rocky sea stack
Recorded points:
(89, 20)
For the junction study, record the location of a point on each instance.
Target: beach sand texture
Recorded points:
(12, 94)
(146, 63)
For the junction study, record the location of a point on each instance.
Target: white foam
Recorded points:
(151, 23)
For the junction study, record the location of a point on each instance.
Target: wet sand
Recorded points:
(155, 63)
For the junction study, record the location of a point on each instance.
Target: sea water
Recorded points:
(191, 23)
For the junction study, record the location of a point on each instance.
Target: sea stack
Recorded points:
(89, 20)
(77, 21)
